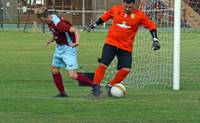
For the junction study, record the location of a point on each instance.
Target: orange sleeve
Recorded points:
(147, 23)
(107, 15)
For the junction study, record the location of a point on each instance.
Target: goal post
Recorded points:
(177, 32)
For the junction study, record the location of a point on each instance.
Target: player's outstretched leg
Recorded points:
(85, 79)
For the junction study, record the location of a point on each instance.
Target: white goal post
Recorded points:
(177, 32)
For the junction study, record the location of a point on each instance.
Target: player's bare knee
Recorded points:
(73, 75)
(54, 70)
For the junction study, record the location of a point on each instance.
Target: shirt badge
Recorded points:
(132, 16)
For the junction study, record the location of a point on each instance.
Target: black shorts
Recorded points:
(109, 52)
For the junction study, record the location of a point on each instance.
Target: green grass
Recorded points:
(27, 90)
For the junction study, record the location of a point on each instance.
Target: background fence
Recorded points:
(19, 14)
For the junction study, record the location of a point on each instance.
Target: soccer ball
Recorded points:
(118, 90)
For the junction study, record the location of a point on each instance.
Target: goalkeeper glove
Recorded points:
(89, 27)
(93, 25)
(156, 44)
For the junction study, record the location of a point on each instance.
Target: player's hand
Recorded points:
(89, 28)
(50, 41)
(74, 44)
(47, 44)
(156, 45)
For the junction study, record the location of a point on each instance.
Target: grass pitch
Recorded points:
(27, 90)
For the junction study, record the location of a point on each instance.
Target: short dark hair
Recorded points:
(129, 1)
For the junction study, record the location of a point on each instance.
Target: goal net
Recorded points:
(151, 68)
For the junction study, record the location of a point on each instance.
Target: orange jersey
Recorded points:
(124, 27)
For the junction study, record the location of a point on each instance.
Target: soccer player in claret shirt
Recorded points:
(120, 40)
(67, 39)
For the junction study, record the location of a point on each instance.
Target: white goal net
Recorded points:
(152, 68)
(149, 68)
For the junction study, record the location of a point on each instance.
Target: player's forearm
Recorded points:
(52, 39)
(154, 34)
(98, 22)
(76, 32)
(77, 35)
(93, 25)
(156, 44)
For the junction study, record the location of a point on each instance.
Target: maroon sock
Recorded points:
(58, 82)
(84, 79)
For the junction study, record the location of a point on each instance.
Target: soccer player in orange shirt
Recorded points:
(119, 41)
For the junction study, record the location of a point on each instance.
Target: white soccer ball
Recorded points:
(118, 90)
